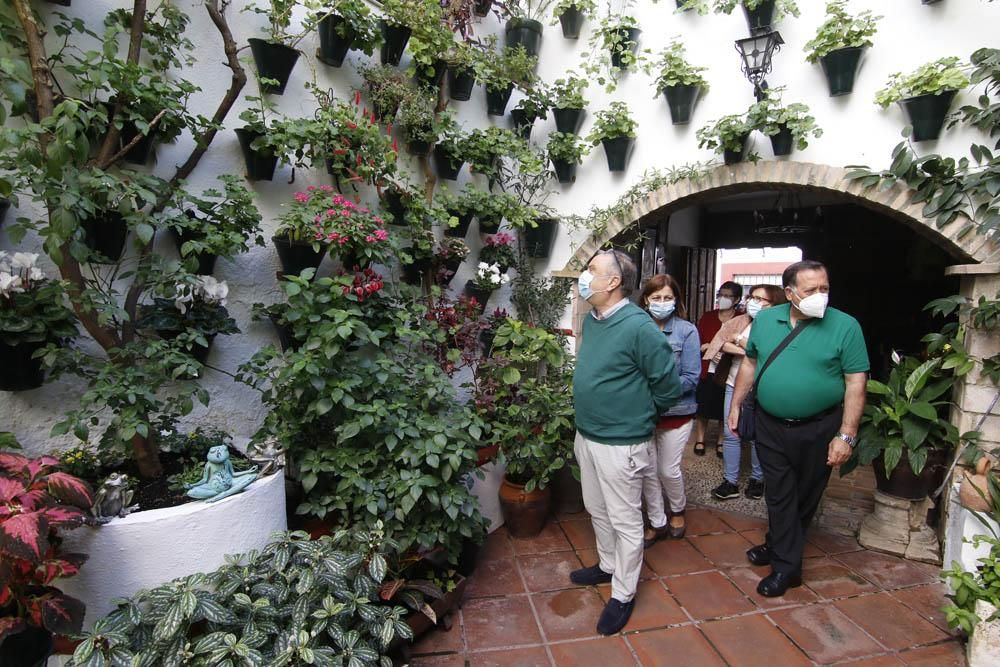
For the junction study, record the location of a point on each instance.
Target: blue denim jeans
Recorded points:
(731, 448)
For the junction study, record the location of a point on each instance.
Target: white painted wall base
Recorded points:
(487, 491)
(984, 644)
(963, 525)
(146, 549)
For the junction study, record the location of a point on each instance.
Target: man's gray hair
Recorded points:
(629, 274)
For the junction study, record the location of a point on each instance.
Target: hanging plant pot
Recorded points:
(629, 36)
(486, 337)
(20, 371)
(206, 260)
(526, 33)
(496, 100)
(681, 5)
(350, 261)
(260, 163)
(524, 513)
(734, 156)
(927, 113)
(903, 483)
(274, 61)
(144, 148)
(447, 165)
(394, 39)
(565, 170)
(418, 148)
(538, 240)
(462, 228)
(434, 76)
(617, 151)
(761, 16)
(412, 274)
(782, 142)
(522, 122)
(393, 200)
(569, 120)
(332, 47)
(480, 295)
(482, 7)
(106, 234)
(297, 255)
(4, 207)
(571, 21)
(286, 339)
(32, 646)
(489, 225)
(681, 101)
(840, 68)
(387, 114)
(460, 83)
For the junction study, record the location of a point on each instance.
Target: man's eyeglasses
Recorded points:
(760, 299)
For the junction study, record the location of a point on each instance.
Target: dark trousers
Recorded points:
(793, 457)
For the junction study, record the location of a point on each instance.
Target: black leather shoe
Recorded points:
(615, 616)
(775, 584)
(759, 555)
(589, 576)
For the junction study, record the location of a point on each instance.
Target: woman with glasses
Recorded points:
(732, 340)
(663, 298)
(710, 394)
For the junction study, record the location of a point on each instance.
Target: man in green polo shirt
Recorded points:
(809, 405)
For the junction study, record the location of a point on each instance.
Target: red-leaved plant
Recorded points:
(36, 501)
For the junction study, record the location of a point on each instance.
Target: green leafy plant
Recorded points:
(781, 7)
(220, 222)
(32, 308)
(351, 143)
(412, 13)
(510, 66)
(386, 87)
(484, 150)
(615, 121)
(929, 79)
(671, 68)
(430, 39)
(197, 311)
(417, 118)
(840, 30)
(568, 93)
(770, 116)
(536, 102)
(566, 147)
(727, 133)
(586, 7)
(498, 249)
(527, 9)
(323, 218)
(613, 51)
(969, 587)
(279, 17)
(358, 23)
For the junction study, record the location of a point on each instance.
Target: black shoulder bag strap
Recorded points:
(747, 426)
(778, 350)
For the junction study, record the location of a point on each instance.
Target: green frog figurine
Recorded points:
(218, 481)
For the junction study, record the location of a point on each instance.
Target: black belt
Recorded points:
(790, 423)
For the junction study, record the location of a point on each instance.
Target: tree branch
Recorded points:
(136, 31)
(136, 139)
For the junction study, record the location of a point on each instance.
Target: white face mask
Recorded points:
(814, 305)
(725, 303)
(754, 307)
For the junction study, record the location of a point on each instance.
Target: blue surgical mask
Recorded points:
(661, 310)
(754, 307)
(583, 284)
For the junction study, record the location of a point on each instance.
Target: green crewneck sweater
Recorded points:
(624, 378)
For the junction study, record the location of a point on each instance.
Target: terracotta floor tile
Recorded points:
(497, 546)
(669, 557)
(494, 577)
(825, 633)
(927, 602)
(450, 660)
(580, 533)
(949, 654)
(440, 640)
(830, 579)
(708, 595)
(499, 622)
(562, 516)
(887, 571)
(880, 661)
(724, 550)
(604, 652)
(889, 621)
(672, 647)
(517, 657)
(654, 607)
(569, 614)
(831, 543)
(747, 578)
(589, 556)
(550, 539)
(759, 536)
(752, 641)
(703, 521)
(741, 522)
(548, 572)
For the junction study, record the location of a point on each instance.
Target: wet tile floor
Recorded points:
(696, 606)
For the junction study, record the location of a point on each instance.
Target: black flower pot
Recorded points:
(332, 47)
(782, 142)
(447, 165)
(387, 114)
(460, 83)
(840, 68)
(197, 350)
(571, 21)
(522, 122)
(260, 164)
(681, 101)
(105, 234)
(393, 200)
(489, 226)
(927, 113)
(413, 274)
(295, 256)
(903, 483)
(20, 371)
(274, 61)
(394, 39)
(526, 33)
(538, 240)
(206, 260)
(482, 7)
(480, 295)
(761, 17)
(680, 5)
(4, 207)
(462, 229)
(496, 100)
(565, 170)
(486, 337)
(629, 36)
(144, 148)
(286, 339)
(419, 148)
(434, 76)
(734, 156)
(617, 151)
(569, 120)
(33, 646)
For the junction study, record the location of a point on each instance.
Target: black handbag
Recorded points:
(747, 424)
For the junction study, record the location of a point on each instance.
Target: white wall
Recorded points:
(856, 131)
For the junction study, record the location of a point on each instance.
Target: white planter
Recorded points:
(146, 549)
(487, 491)
(984, 644)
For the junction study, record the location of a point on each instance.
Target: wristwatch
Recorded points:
(849, 439)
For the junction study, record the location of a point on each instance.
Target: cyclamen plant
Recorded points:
(498, 249)
(31, 308)
(489, 277)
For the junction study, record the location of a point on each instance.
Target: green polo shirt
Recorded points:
(808, 376)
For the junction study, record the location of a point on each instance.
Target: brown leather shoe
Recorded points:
(653, 535)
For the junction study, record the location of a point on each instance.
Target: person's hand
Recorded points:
(717, 358)
(838, 453)
(734, 419)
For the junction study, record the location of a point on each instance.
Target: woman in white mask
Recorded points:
(710, 394)
(662, 297)
(732, 340)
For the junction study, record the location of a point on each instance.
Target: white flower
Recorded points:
(483, 266)
(23, 261)
(504, 279)
(182, 298)
(213, 291)
(895, 357)
(9, 284)
(36, 274)
(165, 433)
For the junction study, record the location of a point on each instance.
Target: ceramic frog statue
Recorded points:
(218, 480)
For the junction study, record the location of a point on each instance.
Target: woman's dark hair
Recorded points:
(658, 282)
(775, 294)
(735, 288)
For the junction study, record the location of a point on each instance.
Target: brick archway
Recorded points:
(802, 176)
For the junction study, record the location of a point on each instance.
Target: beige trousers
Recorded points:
(665, 475)
(612, 477)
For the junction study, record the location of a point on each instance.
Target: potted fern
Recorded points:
(787, 126)
(728, 135)
(680, 82)
(571, 15)
(568, 103)
(566, 151)
(839, 43)
(615, 129)
(925, 94)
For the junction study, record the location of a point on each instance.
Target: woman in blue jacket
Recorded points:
(663, 298)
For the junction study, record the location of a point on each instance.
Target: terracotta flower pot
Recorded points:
(524, 513)
(974, 493)
(903, 483)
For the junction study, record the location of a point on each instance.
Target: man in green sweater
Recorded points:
(624, 379)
